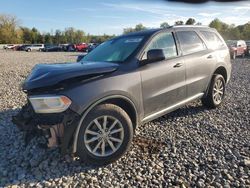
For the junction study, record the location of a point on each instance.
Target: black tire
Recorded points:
(99, 111)
(209, 100)
(234, 55)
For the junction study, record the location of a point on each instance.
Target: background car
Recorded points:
(92, 46)
(82, 47)
(22, 47)
(53, 48)
(34, 47)
(9, 46)
(237, 48)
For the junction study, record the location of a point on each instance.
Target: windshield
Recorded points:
(116, 50)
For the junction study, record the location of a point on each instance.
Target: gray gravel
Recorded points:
(191, 147)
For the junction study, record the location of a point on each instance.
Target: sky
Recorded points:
(111, 16)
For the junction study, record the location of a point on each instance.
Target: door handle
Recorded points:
(177, 65)
(209, 57)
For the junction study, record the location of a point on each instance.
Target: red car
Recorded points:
(237, 48)
(82, 47)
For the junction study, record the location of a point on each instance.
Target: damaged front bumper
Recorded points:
(58, 128)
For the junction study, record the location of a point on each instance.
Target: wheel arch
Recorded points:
(222, 71)
(122, 101)
(219, 70)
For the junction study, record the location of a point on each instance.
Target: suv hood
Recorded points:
(44, 75)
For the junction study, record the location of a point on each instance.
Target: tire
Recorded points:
(87, 151)
(234, 55)
(210, 100)
(28, 50)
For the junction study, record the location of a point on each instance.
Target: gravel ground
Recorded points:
(195, 147)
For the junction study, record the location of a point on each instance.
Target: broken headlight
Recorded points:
(49, 104)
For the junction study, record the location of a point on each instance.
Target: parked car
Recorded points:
(22, 47)
(53, 48)
(92, 108)
(248, 48)
(34, 47)
(82, 47)
(68, 47)
(9, 46)
(237, 48)
(92, 46)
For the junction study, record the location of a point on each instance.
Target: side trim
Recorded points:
(171, 108)
(90, 108)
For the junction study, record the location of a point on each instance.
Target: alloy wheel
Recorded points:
(218, 91)
(104, 136)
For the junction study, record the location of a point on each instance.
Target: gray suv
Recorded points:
(93, 107)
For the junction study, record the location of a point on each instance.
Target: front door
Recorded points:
(163, 82)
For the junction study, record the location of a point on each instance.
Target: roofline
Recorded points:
(189, 26)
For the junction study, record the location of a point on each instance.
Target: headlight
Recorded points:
(49, 104)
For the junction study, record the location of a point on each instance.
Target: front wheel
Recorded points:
(215, 92)
(105, 135)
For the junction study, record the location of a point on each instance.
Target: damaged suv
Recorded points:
(93, 107)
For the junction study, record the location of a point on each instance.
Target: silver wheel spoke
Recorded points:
(116, 131)
(98, 124)
(91, 132)
(92, 139)
(104, 122)
(115, 139)
(111, 145)
(113, 125)
(103, 147)
(97, 146)
(220, 92)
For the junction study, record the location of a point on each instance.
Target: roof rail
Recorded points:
(198, 26)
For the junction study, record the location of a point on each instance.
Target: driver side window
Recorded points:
(164, 41)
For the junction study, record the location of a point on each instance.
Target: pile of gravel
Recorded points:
(190, 147)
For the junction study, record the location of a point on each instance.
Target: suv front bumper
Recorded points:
(36, 124)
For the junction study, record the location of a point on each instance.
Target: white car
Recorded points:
(9, 46)
(34, 47)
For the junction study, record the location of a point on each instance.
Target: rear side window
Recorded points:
(164, 41)
(190, 42)
(213, 40)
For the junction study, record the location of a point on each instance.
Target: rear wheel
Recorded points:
(234, 55)
(105, 135)
(216, 92)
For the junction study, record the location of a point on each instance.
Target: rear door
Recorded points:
(198, 60)
(163, 82)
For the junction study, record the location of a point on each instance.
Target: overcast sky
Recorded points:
(111, 16)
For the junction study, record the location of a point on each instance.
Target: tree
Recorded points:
(164, 25)
(190, 21)
(48, 38)
(27, 37)
(138, 27)
(79, 36)
(179, 22)
(9, 29)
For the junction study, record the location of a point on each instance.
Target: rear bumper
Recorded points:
(29, 121)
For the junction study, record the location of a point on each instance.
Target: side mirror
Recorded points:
(155, 55)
